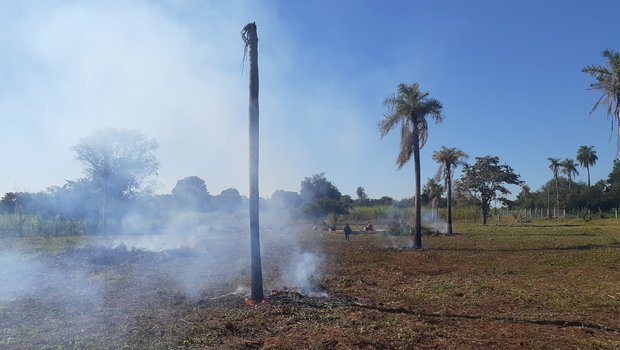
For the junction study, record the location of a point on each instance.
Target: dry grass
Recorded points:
(539, 285)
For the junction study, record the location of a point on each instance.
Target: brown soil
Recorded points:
(378, 296)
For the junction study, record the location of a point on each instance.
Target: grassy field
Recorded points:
(540, 285)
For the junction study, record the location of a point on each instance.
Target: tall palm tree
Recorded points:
(586, 156)
(555, 169)
(608, 82)
(448, 159)
(410, 107)
(569, 168)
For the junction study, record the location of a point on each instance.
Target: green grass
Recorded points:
(45, 245)
(544, 284)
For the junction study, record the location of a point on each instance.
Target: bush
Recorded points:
(401, 229)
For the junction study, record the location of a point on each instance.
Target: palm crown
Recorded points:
(448, 159)
(608, 82)
(409, 107)
(554, 166)
(586, 156)
(569, 168)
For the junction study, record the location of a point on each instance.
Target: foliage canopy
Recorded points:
(484, 182)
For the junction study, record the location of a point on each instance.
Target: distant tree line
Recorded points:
(118, 173)
(120, 166)
(119, 169)
(563, 193)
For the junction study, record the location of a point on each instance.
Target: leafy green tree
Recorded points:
(362, 197)
(75, 200)
(410, 107)
(229, 200)
(191, 193)
(448, 159)
(569, 168)
(119, 163)
(285, 199)
(586, 156)
(611, 187)
(9, 202)
(385, 200)
(608, 82)
(14, 203)
(555, 169)
(525, 198)
(321, 197)
(484, 182)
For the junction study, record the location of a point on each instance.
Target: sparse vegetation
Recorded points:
(543, 284)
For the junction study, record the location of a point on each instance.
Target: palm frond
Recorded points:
(409, 107)
(596, 71)
(612, 57)
(586, 156)
(554, 166)
(608, 82)
(389, 121)
(406, 145)
(422, 131)
(433, 108)
(390, 101)
(596, 104)
(441, 172)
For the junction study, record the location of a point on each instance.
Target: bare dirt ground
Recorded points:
(540, 285)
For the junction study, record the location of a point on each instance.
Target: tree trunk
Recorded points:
(557, 194)
(103, 205)
(449, 204)
(588, 168)
(251, 41)
(548, 204)
(21, 220)
(485, 212)
(418, 200)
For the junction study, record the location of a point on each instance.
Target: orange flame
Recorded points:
(250, 302)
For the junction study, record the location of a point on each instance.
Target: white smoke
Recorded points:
(19, 273)
(432, 219)
(304, 271)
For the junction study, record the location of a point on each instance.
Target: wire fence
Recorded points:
(389, 214)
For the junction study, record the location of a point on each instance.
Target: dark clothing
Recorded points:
(347, 231)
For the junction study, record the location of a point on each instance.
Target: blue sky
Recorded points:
(507, 72)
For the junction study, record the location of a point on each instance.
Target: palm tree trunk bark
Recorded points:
(588, 168)
(557, 194)
(251, 40)
(449, 204)
(418, 200)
